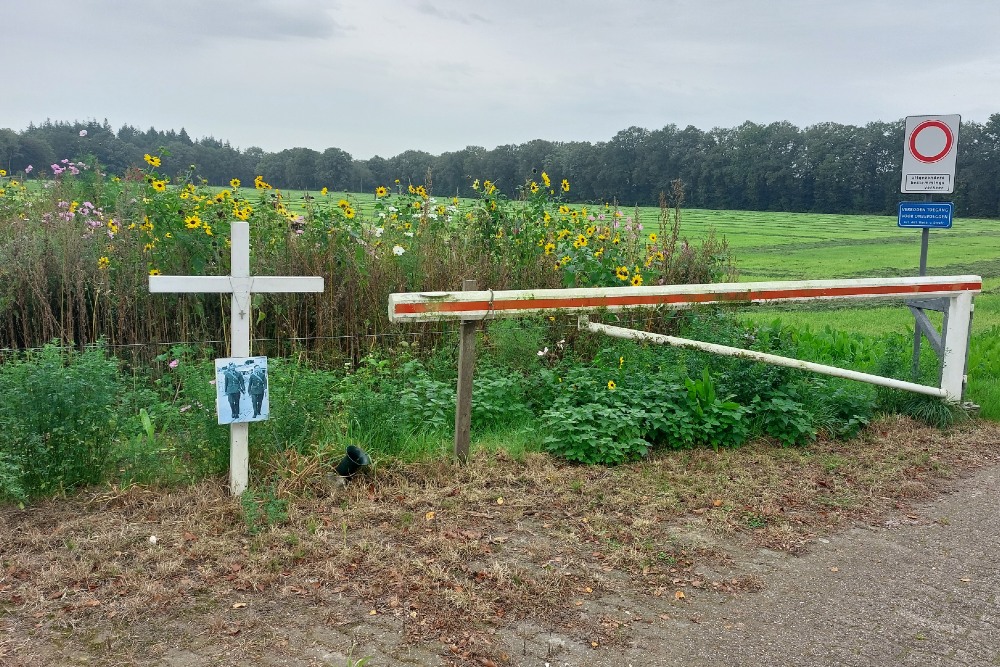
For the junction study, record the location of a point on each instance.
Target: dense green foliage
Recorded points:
(825, 168)
(77, 418)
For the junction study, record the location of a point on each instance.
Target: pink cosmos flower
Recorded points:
(83, 133)
(28, 169)
(175, 363)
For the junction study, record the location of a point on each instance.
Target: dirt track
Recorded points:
(536, 563)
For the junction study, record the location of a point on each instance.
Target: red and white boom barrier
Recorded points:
(484, 304)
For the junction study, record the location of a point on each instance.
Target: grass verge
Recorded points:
(440, 556)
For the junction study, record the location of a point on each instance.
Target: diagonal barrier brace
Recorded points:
(776, 360)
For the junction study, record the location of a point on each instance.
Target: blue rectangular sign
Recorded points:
(930, 214)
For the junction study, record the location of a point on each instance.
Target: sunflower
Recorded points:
(234, 183)
(611, 385)
(622, 273)
(533, 187)
(550, 248)
(546, 180)
(580, 242)
(564, 209)
(154, 272)
(565, 185)
(152, 160)
(636, 280)
(192, 221)
(381, 191)
(103, 263)
(159, 185)
(344, 204)
(349, 213)
(652, 237)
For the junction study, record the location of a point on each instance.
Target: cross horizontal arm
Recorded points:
(285, 284)
(190, 284)
(220, 284)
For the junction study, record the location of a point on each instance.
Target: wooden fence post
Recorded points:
(466, 366)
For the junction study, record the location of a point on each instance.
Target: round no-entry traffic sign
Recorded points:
(930, 152)
(930, 141)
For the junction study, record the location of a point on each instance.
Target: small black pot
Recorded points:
(355, 460)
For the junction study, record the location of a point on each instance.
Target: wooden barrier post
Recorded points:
(466, 367)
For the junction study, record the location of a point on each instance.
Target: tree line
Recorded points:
(822, 168)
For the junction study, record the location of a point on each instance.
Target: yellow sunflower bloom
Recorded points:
(622, 273)
(611, 385)
(637, 280)
(565, 185)
(545, 180)
(154, 272)
(235, 183)
(381, 191)
(103, 263)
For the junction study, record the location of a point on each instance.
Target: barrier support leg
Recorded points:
(463, 397)
(955, 339)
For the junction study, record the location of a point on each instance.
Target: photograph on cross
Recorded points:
(241, 389)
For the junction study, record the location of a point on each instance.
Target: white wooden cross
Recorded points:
(241, 285)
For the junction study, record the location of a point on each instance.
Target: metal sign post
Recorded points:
(930, 153)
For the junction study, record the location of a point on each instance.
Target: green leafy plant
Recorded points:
(498, 399)
(425, 402)
(262, 508)
(720, 421)
(784, 419)
(60, 417)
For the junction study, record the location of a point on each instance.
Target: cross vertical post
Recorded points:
(239, 345)
(241, 285)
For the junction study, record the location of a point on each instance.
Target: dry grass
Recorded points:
(440, 556)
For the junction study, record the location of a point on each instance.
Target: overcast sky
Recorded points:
(383, 76)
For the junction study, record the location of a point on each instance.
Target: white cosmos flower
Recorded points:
(410, 234)
(378, 231)
(397, 250)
